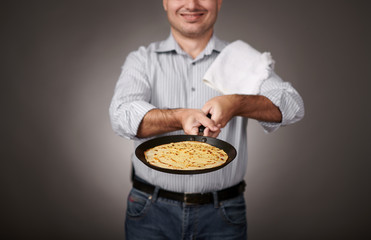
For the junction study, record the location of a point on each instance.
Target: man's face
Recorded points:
(192, 18)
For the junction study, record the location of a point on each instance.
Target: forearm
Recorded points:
(256, 107)
(158, 121)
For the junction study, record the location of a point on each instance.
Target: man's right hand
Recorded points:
(159, 121)
(193, 119)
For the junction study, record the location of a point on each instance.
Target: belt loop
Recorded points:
(216, 200)
(155, 194)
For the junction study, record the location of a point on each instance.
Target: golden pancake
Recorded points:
(186, 155)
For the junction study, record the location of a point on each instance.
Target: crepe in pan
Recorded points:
(186, 155)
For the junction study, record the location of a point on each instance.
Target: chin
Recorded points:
(194, 32)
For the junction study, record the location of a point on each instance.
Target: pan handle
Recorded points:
(202, 127)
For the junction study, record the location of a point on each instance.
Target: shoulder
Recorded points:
(143, 56)
(142, 53)
(149, 49)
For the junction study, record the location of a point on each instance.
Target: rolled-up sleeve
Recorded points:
(286, 98)
(131, 98)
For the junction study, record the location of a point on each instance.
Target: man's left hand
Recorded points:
(222, 109)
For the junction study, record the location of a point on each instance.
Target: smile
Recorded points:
(192, 16)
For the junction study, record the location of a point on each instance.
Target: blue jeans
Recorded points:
(150, 217)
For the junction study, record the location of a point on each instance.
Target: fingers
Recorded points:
(193, 119)
(214, 108)
(209, 133)
(209, 123)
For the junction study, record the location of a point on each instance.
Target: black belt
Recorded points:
(192, 198)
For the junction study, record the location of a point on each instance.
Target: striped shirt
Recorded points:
(163, 76)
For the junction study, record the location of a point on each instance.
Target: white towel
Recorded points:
(239, 69)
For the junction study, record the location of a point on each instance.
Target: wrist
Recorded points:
(175, 117)
(237, 104)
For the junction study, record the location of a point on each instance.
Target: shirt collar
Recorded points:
(169, 45)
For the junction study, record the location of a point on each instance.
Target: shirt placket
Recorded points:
(193, 84)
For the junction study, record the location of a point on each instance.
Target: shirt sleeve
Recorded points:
(286, 98)
(131, 98)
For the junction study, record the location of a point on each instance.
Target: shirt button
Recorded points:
(193, 89)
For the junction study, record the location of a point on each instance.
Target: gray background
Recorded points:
(65, 175)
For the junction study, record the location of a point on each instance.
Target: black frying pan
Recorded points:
(228, 148)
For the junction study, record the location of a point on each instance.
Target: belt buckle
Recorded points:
(186, 198)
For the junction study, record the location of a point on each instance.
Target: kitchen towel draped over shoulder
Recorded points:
(239, 69)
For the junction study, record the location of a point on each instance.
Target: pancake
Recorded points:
(186, 155)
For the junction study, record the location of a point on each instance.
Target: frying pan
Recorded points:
(228, 149)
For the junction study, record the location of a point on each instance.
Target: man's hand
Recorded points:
(192, 119)
(222, 109)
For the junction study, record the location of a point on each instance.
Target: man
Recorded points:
(160, 92)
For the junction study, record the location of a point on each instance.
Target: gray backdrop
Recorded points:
(65, 174)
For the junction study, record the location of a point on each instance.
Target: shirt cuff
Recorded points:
(270, 126)
(290, 109)
(133, 117)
